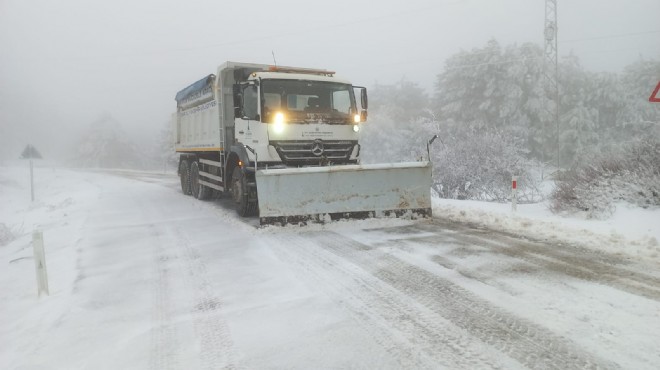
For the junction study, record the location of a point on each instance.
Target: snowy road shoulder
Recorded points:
(631, 232)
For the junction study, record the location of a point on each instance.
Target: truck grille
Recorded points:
(305, 152)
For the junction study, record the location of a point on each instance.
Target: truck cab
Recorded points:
(298, 117)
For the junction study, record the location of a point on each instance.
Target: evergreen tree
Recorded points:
(493, 88)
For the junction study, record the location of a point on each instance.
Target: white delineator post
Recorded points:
(31, 180)
(40, 262)
(514, 189)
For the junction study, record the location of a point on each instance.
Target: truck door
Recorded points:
(248, 115)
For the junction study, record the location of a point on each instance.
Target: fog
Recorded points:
(64, 64)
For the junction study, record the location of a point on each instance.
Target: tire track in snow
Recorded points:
(578, 263)
(164, 338)
(531, 345)
(413, 334)
(216, 345)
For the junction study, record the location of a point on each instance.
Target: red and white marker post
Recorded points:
(514, 189)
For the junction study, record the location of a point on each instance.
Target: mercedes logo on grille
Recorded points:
(317, 147)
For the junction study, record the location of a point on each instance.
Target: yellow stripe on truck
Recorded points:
(183, 150)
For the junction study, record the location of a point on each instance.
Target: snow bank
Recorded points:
(631, 231)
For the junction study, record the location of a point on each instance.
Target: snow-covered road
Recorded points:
(144, 277)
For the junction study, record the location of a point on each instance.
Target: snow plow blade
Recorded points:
(293, 195)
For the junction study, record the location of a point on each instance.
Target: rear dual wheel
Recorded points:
(198, 190)
(184, 174)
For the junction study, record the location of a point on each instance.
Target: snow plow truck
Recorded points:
(283, 143)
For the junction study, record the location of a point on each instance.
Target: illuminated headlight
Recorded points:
(356, 118)
(278, 123)
(356, 128)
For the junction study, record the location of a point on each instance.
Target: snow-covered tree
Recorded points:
(384, 139)
(578, 133)
(496, 118)
(639, 117)
(392, 133)
(402, 101)
(493, 87)
(106, 145)
(479, 164)
(164, 155)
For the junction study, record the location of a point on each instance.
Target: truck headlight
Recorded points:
(356, 128)
(356, 118)
(278, 123)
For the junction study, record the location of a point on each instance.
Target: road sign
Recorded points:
(30, 152)
(654, 98)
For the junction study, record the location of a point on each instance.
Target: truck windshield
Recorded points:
(307, 101)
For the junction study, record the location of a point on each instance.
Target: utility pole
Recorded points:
(551, 74)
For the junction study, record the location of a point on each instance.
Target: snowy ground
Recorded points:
(630, 232)
(141, 276)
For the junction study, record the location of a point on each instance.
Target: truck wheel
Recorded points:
(184, 173)
(240, 194)
(198, 190)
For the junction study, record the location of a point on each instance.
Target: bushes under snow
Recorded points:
(5, 235)
(631, 175)
(468, 163)
(479, 164)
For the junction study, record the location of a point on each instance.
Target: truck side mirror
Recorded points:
(364, 102)
(238, 101)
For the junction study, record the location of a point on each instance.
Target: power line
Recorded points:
(492, 63)
(616, 36)
(508, 61)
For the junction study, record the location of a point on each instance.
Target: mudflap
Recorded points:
(293, 195)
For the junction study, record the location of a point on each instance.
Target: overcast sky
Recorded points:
(64, 63)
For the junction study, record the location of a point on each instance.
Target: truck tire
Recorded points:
(198, 190)
(184, 173)
(240, 194)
